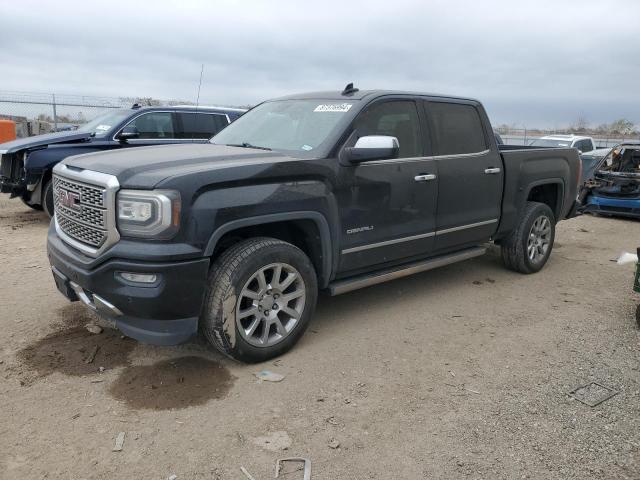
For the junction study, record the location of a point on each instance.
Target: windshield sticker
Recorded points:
(102, 128)
(307, 147)
(342, 107)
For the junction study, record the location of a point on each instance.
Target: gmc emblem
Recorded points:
(69, 199)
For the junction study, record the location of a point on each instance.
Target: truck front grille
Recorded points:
(82, 233)
(77, 216)
(84, 203)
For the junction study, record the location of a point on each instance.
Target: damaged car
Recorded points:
(614, 188)
(26, 164)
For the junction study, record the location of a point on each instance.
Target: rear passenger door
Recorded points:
(200, 126)
(470, 176)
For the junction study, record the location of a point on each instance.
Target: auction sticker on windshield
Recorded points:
(341, 107)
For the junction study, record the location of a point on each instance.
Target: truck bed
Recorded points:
(532, 166)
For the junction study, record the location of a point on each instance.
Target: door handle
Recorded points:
(491, 171)
(424, 178)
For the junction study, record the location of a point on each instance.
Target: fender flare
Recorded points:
(319, 220)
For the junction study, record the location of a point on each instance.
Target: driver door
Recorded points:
(388, 207)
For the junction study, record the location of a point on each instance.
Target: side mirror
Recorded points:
(373, 147)
(127, 133)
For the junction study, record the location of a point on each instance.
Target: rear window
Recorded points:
(201, 125)
(457, 128)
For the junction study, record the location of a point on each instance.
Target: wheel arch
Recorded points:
(288, 227)
(548, 191)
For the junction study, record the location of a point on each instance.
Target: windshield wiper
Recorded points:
(246, 145)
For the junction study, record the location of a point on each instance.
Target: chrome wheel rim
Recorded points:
(539, 239)
(270, 304)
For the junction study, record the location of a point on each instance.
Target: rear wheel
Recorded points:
(261, 296)
(527, 248)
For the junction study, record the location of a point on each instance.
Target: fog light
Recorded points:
(139, 277)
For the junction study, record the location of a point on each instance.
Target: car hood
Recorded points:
(42, 140)
(145, 167)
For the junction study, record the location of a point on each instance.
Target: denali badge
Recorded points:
(69, 199)
(359, 229)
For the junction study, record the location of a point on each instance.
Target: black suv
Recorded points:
(27, 162)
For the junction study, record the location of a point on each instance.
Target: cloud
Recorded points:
(545, 63)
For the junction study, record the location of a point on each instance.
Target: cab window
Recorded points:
(200, 125)
(158, 125)
(396, 119)
(457, 128)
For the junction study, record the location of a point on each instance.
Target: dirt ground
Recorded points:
(462, 372)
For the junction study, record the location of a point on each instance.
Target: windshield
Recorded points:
(102, 124)
(296, 127)
(550, 142)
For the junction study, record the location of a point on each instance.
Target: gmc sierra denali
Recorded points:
(333, 191)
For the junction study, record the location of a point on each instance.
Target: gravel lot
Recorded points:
(462, 372)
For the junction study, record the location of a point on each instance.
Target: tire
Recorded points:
(47, 198)
(236, 288)
(35, 206)
(516, 252)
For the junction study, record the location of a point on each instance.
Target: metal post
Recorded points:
(55, 114)
(525, 137)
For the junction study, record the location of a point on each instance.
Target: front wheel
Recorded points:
(527, 248)
(47, 198)
(261, 295)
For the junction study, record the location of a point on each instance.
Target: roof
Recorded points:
(565, 137)
(212, 107)
(362, 94)
(192, 107)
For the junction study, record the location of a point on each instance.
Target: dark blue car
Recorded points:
(26, 163)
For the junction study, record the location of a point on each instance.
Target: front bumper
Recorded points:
(625, 207)
(163, 313)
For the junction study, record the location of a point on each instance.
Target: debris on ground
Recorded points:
(246, 474)
(334, 444)
(332, 421)
(92, 354)
(93, 328)
(101, 369)
(593, 394)
(626, 258)
(274, 442)
(172, 477)
(119, 442)
(305, 461)
(268, 376)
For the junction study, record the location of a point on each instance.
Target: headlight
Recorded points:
(148, 213)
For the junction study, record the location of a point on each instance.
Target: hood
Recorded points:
(42, 140)
(145, 167)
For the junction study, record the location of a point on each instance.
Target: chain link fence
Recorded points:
(524, 136)
(38, 113)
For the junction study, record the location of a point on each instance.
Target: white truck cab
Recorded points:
(583, 144)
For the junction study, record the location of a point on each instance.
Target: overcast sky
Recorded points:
(542, 63)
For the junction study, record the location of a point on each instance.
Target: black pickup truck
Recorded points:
(333, 191)
(26, 163)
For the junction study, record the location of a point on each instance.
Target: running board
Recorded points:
(347, 285)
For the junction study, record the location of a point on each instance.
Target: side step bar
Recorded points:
(343, 286)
